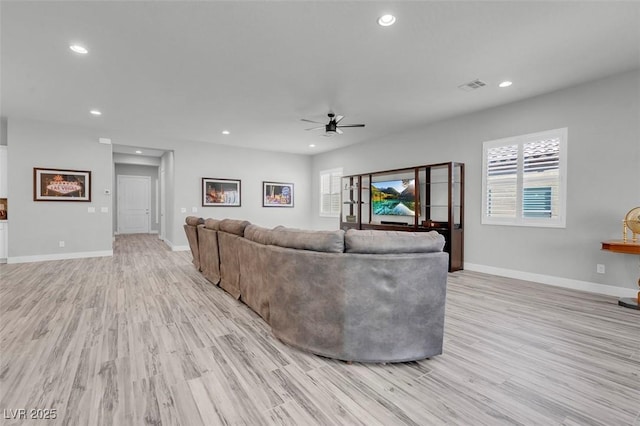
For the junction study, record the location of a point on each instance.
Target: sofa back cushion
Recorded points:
(324, 241)
(213, 224)
(194, 220)
(373, 241)
(258, 234)
(234, 226)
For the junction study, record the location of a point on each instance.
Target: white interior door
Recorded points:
(134, 195)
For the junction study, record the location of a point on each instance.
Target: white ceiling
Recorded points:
(188, 70)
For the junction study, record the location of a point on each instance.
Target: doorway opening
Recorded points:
(141, 178)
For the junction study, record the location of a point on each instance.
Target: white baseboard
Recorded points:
(175, 247)
(608, 290)
(154, 232)
(59, 256)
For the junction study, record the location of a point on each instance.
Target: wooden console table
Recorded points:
(627, 247)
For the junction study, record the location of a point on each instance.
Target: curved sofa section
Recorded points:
(368, 296)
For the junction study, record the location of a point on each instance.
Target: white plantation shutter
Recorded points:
(330, 192)
(502, 181)
(541, 178)
(524, 181)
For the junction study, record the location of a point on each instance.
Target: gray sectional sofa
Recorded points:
(368, 296)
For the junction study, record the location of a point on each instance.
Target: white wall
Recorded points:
(167, 165)
(38, 227)
(252, 168)
(140, 160)
(603, 118)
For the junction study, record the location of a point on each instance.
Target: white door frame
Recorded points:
(163, 201)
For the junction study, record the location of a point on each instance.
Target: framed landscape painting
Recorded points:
(61, 185)
(277, 194)
(220, 192)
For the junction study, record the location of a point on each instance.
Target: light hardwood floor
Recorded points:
(143, 338)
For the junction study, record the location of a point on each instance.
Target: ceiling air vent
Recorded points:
(472, 85)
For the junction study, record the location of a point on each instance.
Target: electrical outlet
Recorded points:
(183, 209)
(194, 210)
(600, 268)
(60, 243)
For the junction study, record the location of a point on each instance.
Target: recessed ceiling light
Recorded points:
(312, 145)
(505, 84)
(225, 132)
(95, 112)
(79, 49)
(386, 20)
(138, 152)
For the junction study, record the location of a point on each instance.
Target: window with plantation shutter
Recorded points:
(330, 192)
(524, 180)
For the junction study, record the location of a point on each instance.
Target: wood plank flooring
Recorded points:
(143, 338)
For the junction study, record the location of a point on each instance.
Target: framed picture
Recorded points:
(220, 192)
(277, 194)
(3, 209)
(61, 185)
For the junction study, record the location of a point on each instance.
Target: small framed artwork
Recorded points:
(277, 194)
(220, 192)
(61, 185)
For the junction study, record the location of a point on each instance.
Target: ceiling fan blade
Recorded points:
(338, 131)
(311, 121)
(316, 128)
(338, 118)
(351, 125)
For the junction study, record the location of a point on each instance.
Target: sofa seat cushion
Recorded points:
(373, 241)
(258, 234)
(234, 226)
(322, 241)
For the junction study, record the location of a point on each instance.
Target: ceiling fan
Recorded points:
(332, 127)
